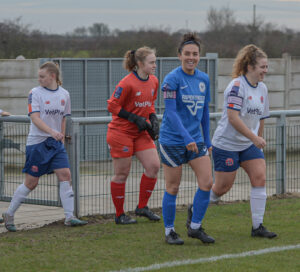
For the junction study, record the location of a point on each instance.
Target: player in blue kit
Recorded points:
(48, 105)
(186, 95)
(238, 139)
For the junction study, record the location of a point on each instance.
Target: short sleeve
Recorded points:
(235, 97)
(266, 112)
(33, 102)
(68, 106)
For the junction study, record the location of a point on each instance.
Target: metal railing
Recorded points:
(91, 176)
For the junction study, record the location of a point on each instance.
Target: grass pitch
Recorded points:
(104, 246)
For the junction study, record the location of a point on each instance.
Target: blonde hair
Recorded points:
(53, 68)
(132, 57)
(248, 55)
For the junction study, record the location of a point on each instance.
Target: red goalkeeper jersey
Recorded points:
(133, 95)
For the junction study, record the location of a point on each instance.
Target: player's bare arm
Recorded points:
(35, 117)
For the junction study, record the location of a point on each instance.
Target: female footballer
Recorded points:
(132, 130)
(238, 139)
(186, 95)
(48, 105)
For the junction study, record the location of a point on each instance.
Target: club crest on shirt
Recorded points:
(47, 102)
(250, 97)
(262, 99)
(202, 87)
(152, 92)
(62, 102)
(138, 93)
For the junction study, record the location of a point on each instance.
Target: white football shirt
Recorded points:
(253, 105)
(53, 106)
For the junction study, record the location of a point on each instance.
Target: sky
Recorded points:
(62, 16)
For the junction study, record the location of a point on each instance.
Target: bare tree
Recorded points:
(218, 19)
(99, 30)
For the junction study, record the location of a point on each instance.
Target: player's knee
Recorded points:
(31, 185)
(173, 190)
(152, 170)
(258, 180)
(221, 190)
(120, 178)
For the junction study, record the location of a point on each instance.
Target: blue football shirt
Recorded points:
(192, 93)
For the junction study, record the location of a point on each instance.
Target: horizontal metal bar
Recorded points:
(106, 119)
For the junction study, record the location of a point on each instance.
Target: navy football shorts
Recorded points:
(174, 155)
(229, 161)
(45, 157)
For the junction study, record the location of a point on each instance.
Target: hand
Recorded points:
(259, 142)
(5, 113)
(140, 121)
(209, 151)
(57, 135)
(192, 147)
(154, 131)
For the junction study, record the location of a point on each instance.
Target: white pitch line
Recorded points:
(210, 259)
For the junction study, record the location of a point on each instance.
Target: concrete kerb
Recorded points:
(33, 216)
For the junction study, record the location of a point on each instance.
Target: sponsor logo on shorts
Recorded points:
(229, 162)
(34, 168)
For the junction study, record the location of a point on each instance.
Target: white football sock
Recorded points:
(258, 204)
(195, 225)
(67, 198)
(168, 230)
(213, 197)
(20, 195)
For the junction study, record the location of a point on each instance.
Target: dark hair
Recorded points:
(53, 68)
(132, 57)
(248, 55)
(189, 38)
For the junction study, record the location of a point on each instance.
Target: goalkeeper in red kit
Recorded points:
(132, 131)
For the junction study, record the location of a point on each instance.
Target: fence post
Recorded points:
(281, 155)
(73, 149)
(1, 161)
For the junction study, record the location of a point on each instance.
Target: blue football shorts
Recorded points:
(45, 157)
(174, 155)
(229, 161)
